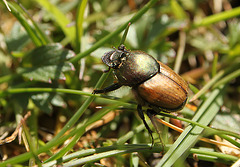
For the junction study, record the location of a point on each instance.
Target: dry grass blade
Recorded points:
(16, 131)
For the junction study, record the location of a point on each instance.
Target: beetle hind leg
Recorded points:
(141, 115)
(151, 113)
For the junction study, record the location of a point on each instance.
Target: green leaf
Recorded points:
(46, 63)
(42, 101)
(17, 39)
(48, 55)
(22, 99)
(227, 121)
(46, 73)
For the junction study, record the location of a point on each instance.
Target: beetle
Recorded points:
(153, 83)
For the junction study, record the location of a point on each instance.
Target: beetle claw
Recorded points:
(94, 91)
(97, 91)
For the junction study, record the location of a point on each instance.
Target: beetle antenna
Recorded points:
(125, 34)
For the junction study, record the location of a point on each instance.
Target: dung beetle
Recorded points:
(153, 83)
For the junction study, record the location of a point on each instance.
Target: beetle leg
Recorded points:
(107, 89)
(141, 115)
(151, 113)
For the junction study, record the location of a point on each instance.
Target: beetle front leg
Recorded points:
(141, 115)
(107, 89)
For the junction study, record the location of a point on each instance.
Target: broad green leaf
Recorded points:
(227, 121)
(17, 39)
(48, 55)
(44, 101)
(46, 63)
(46, 73)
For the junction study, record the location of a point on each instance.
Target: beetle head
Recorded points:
(114, 59)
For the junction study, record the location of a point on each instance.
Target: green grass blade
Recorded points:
(34, 32)
(190, 135)
(81, 131)
(93, 155)
(113, 34)
(178, 11)
(218, 17)
(60, 19)
(228, 78)
(79, 23)
(214, 80)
